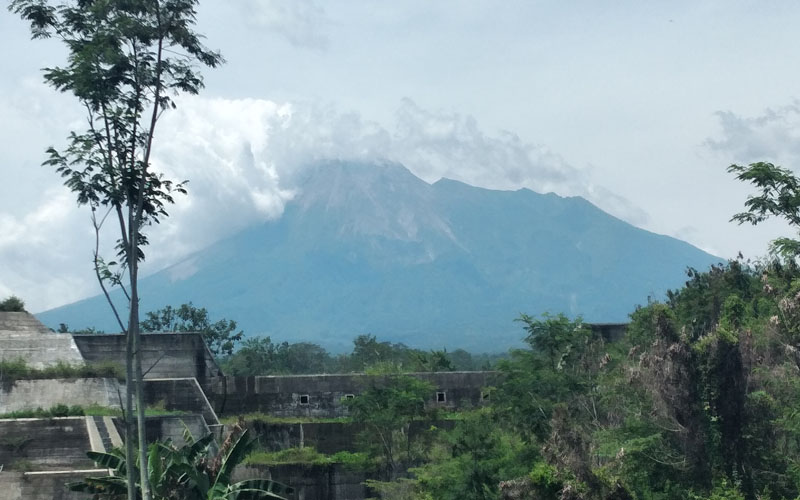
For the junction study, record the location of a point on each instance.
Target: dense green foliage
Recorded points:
(698, 401)
(779, 197)
(387, 409)
(309, 455)
(12, 304)
(221, 336)
(262, 356)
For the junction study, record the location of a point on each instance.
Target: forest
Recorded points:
(697, 401)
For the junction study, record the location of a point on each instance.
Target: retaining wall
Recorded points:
(312, 482)
(45, 444)
(325, 437)
(321, 396)
(42, 485)
(164, 355)
(32, 394)
(179, 394)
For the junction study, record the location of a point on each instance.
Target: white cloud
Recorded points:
(772, 136)
(437, 144)
(240, 157)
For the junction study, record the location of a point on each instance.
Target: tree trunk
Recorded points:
(133, 330)
(130, 435)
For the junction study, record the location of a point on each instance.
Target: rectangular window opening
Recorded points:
(304, 399)
(441, 397)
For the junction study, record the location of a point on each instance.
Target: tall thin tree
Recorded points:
(127, 60)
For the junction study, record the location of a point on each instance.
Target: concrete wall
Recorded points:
(32, 394)
(45, 444)
(164, 355)
(611, 332)
(22, 336)
(173, 426)
(39, 350)
(325, 437)
(322, 395)
(42, 485)
(312, 482)
(179, 394)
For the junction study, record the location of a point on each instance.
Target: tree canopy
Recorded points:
(221, 336)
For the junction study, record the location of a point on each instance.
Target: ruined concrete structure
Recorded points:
(37, 456)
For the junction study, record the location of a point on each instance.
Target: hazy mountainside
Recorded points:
(367, 248)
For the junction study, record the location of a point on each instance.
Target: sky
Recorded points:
(638, 106)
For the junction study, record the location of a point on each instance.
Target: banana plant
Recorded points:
(188, 472)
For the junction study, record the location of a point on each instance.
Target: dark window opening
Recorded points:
(304, 399)
(349, 396)
(441, 397)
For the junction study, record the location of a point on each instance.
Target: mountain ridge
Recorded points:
(366, 248)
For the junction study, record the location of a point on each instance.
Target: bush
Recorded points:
(12, 304)
(309, 455)
(18, 369)
(59, 410)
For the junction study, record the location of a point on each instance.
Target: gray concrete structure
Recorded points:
(40, 455)
(32, 394)
(42, 485)
(325, 437)
(313, 482)
(164, 355)
(611, 332)
(22, 336)
(45, 444)
(323, 395)
(179, 394)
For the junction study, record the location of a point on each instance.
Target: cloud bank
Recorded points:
(241, 158)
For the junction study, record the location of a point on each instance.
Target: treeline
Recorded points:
(242, 356)
(262, 356)
(698, 401)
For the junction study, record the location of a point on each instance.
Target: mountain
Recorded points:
(370, 248)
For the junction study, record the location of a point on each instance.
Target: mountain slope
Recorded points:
(369, 248)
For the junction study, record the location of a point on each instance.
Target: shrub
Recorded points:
(18, 369)
(12, 304)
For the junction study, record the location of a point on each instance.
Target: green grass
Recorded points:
(18, 369)
(61, 410)
(310, 456)
(270, 419)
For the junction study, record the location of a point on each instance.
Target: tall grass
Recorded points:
(18, 369)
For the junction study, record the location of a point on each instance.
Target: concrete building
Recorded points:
(38, 456)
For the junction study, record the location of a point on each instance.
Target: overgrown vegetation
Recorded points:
(61, 410)
(697, 401)
(191, 471)
(272, 419)
(221, 336)
(12, 304)
(309, 455)
(18, 369)
(262, 356)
